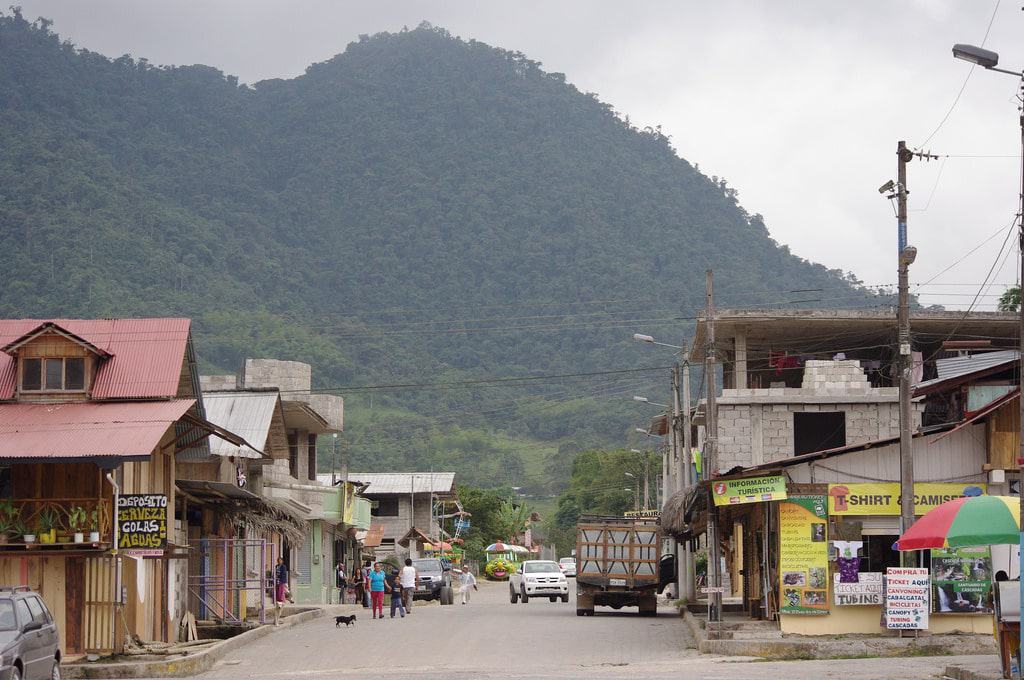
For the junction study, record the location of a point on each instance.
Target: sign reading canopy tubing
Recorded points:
(883, 498)
(749, 490)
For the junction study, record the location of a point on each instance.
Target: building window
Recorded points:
(53, 375)
(386, 507)
(311, 458)
(387, 545)
(818, 431)
(293, 454)
(877, 553)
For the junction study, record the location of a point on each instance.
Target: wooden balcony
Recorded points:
(33, 510)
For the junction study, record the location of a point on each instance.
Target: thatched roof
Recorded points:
(264, 515)
(678, 515)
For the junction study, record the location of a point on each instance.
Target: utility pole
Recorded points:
(711, 459)
(647, 480)
(681, 437)
(905, 257)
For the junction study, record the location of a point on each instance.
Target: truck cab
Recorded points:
(538, 578)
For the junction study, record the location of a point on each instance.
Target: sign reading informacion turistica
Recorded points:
(907, 598)
(748, 490)
(883, 498)
(142, 524)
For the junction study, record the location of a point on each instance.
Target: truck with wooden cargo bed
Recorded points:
(619, 564)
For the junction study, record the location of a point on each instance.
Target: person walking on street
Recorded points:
(408, 578)
(364, 584)
(394, 586)
(342, 577)
(466, 581)
(280, 588)
(377, 577)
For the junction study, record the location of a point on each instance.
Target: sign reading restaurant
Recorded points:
(883, 498)
(749, 490)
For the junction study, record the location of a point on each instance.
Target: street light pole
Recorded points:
(711, 459)
(681, 436)
(990, 60)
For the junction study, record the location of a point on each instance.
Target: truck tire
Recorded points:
(565, 598)
(523, 596)
(513, 596)
(649, 605)
(584, 604)
(447, 597)
(552, 598)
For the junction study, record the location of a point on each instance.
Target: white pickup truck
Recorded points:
(538, 578)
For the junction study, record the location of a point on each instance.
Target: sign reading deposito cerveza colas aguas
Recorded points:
(142, 523)
(749, 490)
(883, 498)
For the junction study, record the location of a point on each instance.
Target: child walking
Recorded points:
(396, 588)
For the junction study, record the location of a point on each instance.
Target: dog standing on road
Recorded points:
(347, 620)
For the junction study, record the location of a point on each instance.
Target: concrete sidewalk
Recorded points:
(739, 636)
(193, 663)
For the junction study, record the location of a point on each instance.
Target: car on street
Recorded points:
(434, 580)
(538, 578)
(568, 566)
(29, 644)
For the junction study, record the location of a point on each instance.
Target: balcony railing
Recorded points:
(32, 512)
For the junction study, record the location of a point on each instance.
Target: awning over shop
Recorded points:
(88, 431)
(677, 517)
(374, 535)
(258, 513)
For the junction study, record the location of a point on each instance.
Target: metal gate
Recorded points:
(228, 575)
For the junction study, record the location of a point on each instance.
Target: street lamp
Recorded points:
(640, 337)
(989, 61)
(645, 400)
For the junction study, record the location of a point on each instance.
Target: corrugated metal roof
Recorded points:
(146, 361)
(247, 414)
(374, 535)
(380, 483)
(86, 430)
(949, 370)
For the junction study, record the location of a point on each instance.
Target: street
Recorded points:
(491, 638)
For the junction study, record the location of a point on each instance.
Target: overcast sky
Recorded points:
(798, 104)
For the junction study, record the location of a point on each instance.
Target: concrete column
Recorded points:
(741, 362)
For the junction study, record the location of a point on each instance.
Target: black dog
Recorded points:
(347, 620)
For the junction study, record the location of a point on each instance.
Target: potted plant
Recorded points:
(77, 520)
(27, 534)
(8, 518)
(46, 526)
(94, 526)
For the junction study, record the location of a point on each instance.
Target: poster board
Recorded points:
(867, 591)
(907, 591)
(962, 580)
(142, 524)
(803, 555)
(749, 490)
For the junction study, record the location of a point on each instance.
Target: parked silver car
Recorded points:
(29, 644)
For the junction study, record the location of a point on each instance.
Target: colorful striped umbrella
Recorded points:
(977, 520)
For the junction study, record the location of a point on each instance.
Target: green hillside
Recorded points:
(418, 209)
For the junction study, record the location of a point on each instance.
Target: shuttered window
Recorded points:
(303, 569)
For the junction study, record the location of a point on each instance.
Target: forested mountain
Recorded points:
(418, 209)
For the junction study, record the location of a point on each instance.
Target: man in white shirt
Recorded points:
(408, 578)
(466, 581)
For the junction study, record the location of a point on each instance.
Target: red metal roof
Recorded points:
(86, 429)
(146, 354)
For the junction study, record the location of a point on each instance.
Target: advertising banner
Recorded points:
(749, 490)
(142, 524)
(867, 591)
(883, 498)
(962, 581)
(906, 598)
(803, 555)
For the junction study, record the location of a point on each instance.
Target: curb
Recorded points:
(961, 673)
(188, 665)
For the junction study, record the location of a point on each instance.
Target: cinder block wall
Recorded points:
(293, 378)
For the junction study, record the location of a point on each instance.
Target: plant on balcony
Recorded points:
(22, 529)
(94, 525)
(78, 521)
(9, 519)
(46, 525)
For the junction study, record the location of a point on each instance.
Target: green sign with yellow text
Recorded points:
(748, 490)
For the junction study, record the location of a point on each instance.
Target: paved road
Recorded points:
(491, 638)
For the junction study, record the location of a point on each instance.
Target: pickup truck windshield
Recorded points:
(425, 566)
(539, 567)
